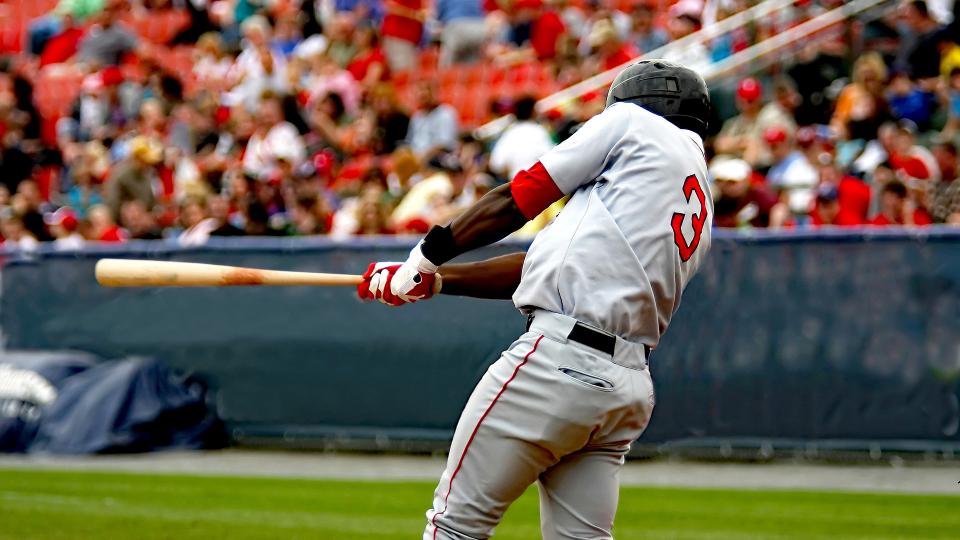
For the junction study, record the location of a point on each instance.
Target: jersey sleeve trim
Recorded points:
(534, 190)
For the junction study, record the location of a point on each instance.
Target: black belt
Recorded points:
(590, 337)
(595, 339)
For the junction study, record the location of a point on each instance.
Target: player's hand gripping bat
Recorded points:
(143, 273)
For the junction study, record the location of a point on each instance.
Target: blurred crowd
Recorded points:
(289, 122)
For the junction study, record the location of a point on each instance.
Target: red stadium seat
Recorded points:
(32, 9)
(473, 75)
(429, 58)
(476, 103)
(496, 79)
(449, 77)
(157, 26)
(11, 32)
(401, 79)
(55, 90)
(15, 17)
(471, 88)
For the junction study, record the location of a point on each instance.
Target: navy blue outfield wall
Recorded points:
(836, 340)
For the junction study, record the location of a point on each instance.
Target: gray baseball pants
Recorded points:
(551, 411)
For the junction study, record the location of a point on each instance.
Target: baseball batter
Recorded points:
(599, 285)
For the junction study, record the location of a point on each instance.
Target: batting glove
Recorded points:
(413, 274)
(380, 277)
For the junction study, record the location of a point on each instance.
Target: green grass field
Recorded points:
(54, 505)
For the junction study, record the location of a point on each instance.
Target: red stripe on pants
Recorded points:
(474, 434)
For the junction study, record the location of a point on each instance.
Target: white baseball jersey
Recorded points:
(635, 230)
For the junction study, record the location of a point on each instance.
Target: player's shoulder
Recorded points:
(620, 119)
(624, 108)
(636, 118)
(627, 110)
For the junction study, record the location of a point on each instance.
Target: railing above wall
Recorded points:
(705, 34)
(747, 58)
(778, 42)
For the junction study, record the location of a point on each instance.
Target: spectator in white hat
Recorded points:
(739, 202)
(63, 225)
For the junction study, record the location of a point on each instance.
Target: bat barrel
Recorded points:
(143, 273)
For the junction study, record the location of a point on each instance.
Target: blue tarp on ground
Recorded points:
(72, 403)
(849, 339)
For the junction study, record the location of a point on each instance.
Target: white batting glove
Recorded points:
(409, 280)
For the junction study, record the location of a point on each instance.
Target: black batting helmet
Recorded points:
(670, 90)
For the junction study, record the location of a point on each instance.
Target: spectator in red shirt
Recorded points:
(897, 208)
(917, 168)
(102, 227)
(609, 48)
(853, 194)
(402, 31)
(908, 159)
(547, 30)
(369, 65)
(829, 211)
(63, 46)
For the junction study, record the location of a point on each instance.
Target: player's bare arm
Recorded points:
(494, 279)
(490, 219)
(497, 214)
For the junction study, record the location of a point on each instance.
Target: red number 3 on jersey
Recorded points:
(690, 186)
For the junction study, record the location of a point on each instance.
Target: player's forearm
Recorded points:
(495, 278)
(491, 219)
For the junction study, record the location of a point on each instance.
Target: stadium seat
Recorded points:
(474, 75)
(158, 26)
(15, 17)
(55, 90)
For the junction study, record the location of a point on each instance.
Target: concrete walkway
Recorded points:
(903, 477)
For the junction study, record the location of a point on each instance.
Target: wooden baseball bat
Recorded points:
(144, 273)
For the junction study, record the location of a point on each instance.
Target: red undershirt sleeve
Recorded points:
(534, 190)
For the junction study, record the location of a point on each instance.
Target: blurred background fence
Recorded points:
(810, 341)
